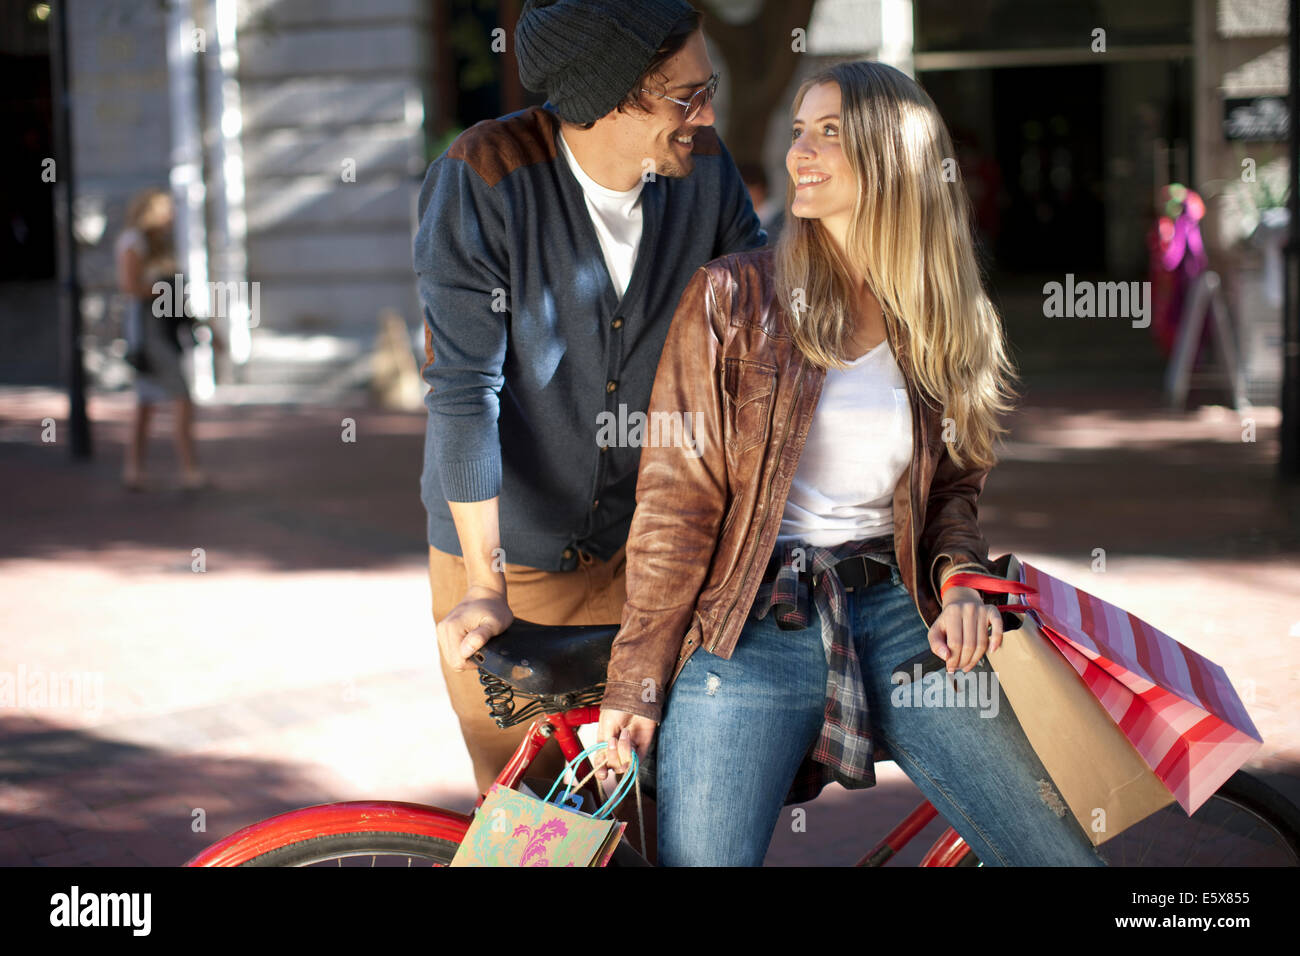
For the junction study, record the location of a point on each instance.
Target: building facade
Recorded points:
(294, 135)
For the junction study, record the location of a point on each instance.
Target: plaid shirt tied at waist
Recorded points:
(843, 751)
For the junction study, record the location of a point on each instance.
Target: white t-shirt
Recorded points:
(859, 445)
(617, 218)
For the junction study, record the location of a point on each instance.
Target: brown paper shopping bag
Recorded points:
(1100, 775)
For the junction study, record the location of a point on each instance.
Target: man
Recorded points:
(553, 246)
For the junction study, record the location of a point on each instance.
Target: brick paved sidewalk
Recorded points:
(299, 667)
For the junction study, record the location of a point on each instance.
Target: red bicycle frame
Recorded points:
(560, 726)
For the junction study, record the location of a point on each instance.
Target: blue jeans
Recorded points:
(735, 731)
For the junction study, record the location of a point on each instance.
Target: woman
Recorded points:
(849, 384)
(145, 255)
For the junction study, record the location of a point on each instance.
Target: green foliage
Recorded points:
(472, 42)
(1243, 201)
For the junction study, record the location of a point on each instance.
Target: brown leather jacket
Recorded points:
(707, 516)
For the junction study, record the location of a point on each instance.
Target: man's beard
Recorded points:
(672, 165)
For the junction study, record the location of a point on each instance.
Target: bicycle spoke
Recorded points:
(1191, 850)
(1147, 851)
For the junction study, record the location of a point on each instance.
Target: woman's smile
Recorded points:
(811, 178)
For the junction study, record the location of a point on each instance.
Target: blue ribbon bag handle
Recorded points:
(571, 800)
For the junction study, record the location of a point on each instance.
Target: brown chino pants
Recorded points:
(593, 593)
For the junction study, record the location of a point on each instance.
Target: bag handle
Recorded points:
(987, 582)
(615, 798)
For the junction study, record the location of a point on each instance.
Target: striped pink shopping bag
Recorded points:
(1177, 708)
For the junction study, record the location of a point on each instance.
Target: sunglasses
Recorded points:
(699, 99)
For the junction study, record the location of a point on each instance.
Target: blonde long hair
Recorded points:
(909, 237)
(160, 249)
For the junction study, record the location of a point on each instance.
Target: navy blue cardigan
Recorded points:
(526, 341)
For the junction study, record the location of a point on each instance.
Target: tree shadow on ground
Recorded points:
(75, 798)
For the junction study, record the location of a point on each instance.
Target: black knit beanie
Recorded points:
(586, 55)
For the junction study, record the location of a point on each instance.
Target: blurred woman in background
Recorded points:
(145, 255)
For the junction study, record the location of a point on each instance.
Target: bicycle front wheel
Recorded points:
(1245, 823)
(369, 834)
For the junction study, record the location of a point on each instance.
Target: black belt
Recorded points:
(856, 572)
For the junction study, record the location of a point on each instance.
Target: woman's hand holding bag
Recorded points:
(965, 629)
(624, 733)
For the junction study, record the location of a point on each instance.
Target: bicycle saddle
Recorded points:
(540, 660)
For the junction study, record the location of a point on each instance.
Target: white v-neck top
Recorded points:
(859, 445)
(617, 218)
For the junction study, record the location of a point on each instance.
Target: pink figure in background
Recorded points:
(1178, 257)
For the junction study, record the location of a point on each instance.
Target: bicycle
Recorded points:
(559, 672)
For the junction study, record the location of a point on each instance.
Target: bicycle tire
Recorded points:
(336, 847)
(1242, 791)
(341, 831)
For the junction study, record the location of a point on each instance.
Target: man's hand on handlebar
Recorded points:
(481, 615)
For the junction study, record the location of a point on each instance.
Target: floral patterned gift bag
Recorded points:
(512, 828)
